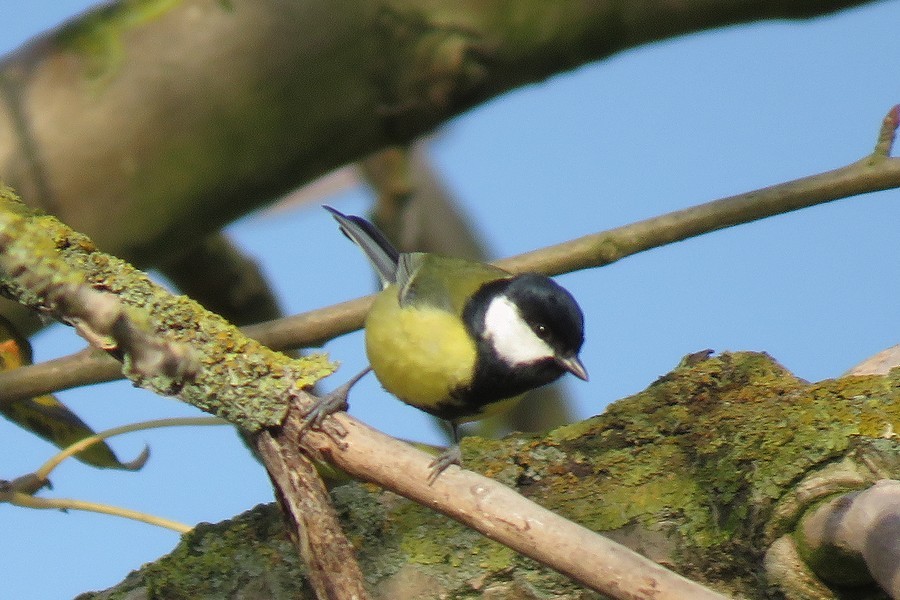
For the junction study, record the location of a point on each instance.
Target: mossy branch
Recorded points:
(708, 470)
(167, 344)
(496, 511)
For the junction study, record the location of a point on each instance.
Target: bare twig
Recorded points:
(43, 473)
(876, 172)
(888, 133)
(27, 501)
(20, 491)
(87, 365)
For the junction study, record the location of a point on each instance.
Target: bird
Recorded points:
(459, 339)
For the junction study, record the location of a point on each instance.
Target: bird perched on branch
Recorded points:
(459, 339)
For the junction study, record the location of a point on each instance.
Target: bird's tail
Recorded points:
(380, 252)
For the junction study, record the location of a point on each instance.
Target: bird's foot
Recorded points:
(451, 456)
(327, 405)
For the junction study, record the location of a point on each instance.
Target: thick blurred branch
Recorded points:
(878, 171)
(150, 129)
(222, 278)
(859, 531)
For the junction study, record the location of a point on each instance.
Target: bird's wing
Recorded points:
(442, 282)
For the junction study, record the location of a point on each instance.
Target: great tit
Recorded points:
(460, 339)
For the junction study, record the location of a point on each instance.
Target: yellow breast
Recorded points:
(418, 354)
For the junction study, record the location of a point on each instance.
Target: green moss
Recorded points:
(215, 561)
(701, 457)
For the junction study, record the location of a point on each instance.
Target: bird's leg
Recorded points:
(450, 456)
(330, 403)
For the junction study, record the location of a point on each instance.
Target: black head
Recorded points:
(550, 312)
(529, 331)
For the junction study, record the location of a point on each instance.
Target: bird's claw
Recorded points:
(451, 456)
(324, 407)
(327, 405)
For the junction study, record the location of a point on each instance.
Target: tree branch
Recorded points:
(43, 257)
(876, 172)
(27, 501)
(860, 527)
(316, 531)
(499, 513)
(252, 386)
(706, 469)
(221, 277)
(81, 137)
(171, 346)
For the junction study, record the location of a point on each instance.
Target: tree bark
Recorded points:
(703, 472)
(148, 126)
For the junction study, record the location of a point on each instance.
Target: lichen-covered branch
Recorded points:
(168, 344)
(152, 330)
(39, 278)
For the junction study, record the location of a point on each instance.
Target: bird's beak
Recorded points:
(573, 365)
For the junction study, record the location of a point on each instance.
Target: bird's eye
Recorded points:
(541, 330)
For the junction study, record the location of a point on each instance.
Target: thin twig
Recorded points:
(20, 491)
(86, 365)
(888, 133)
(27, 501)
(43, 473)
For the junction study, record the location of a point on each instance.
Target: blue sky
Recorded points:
(652, 130)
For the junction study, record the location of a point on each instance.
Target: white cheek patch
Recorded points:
(510, 335)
